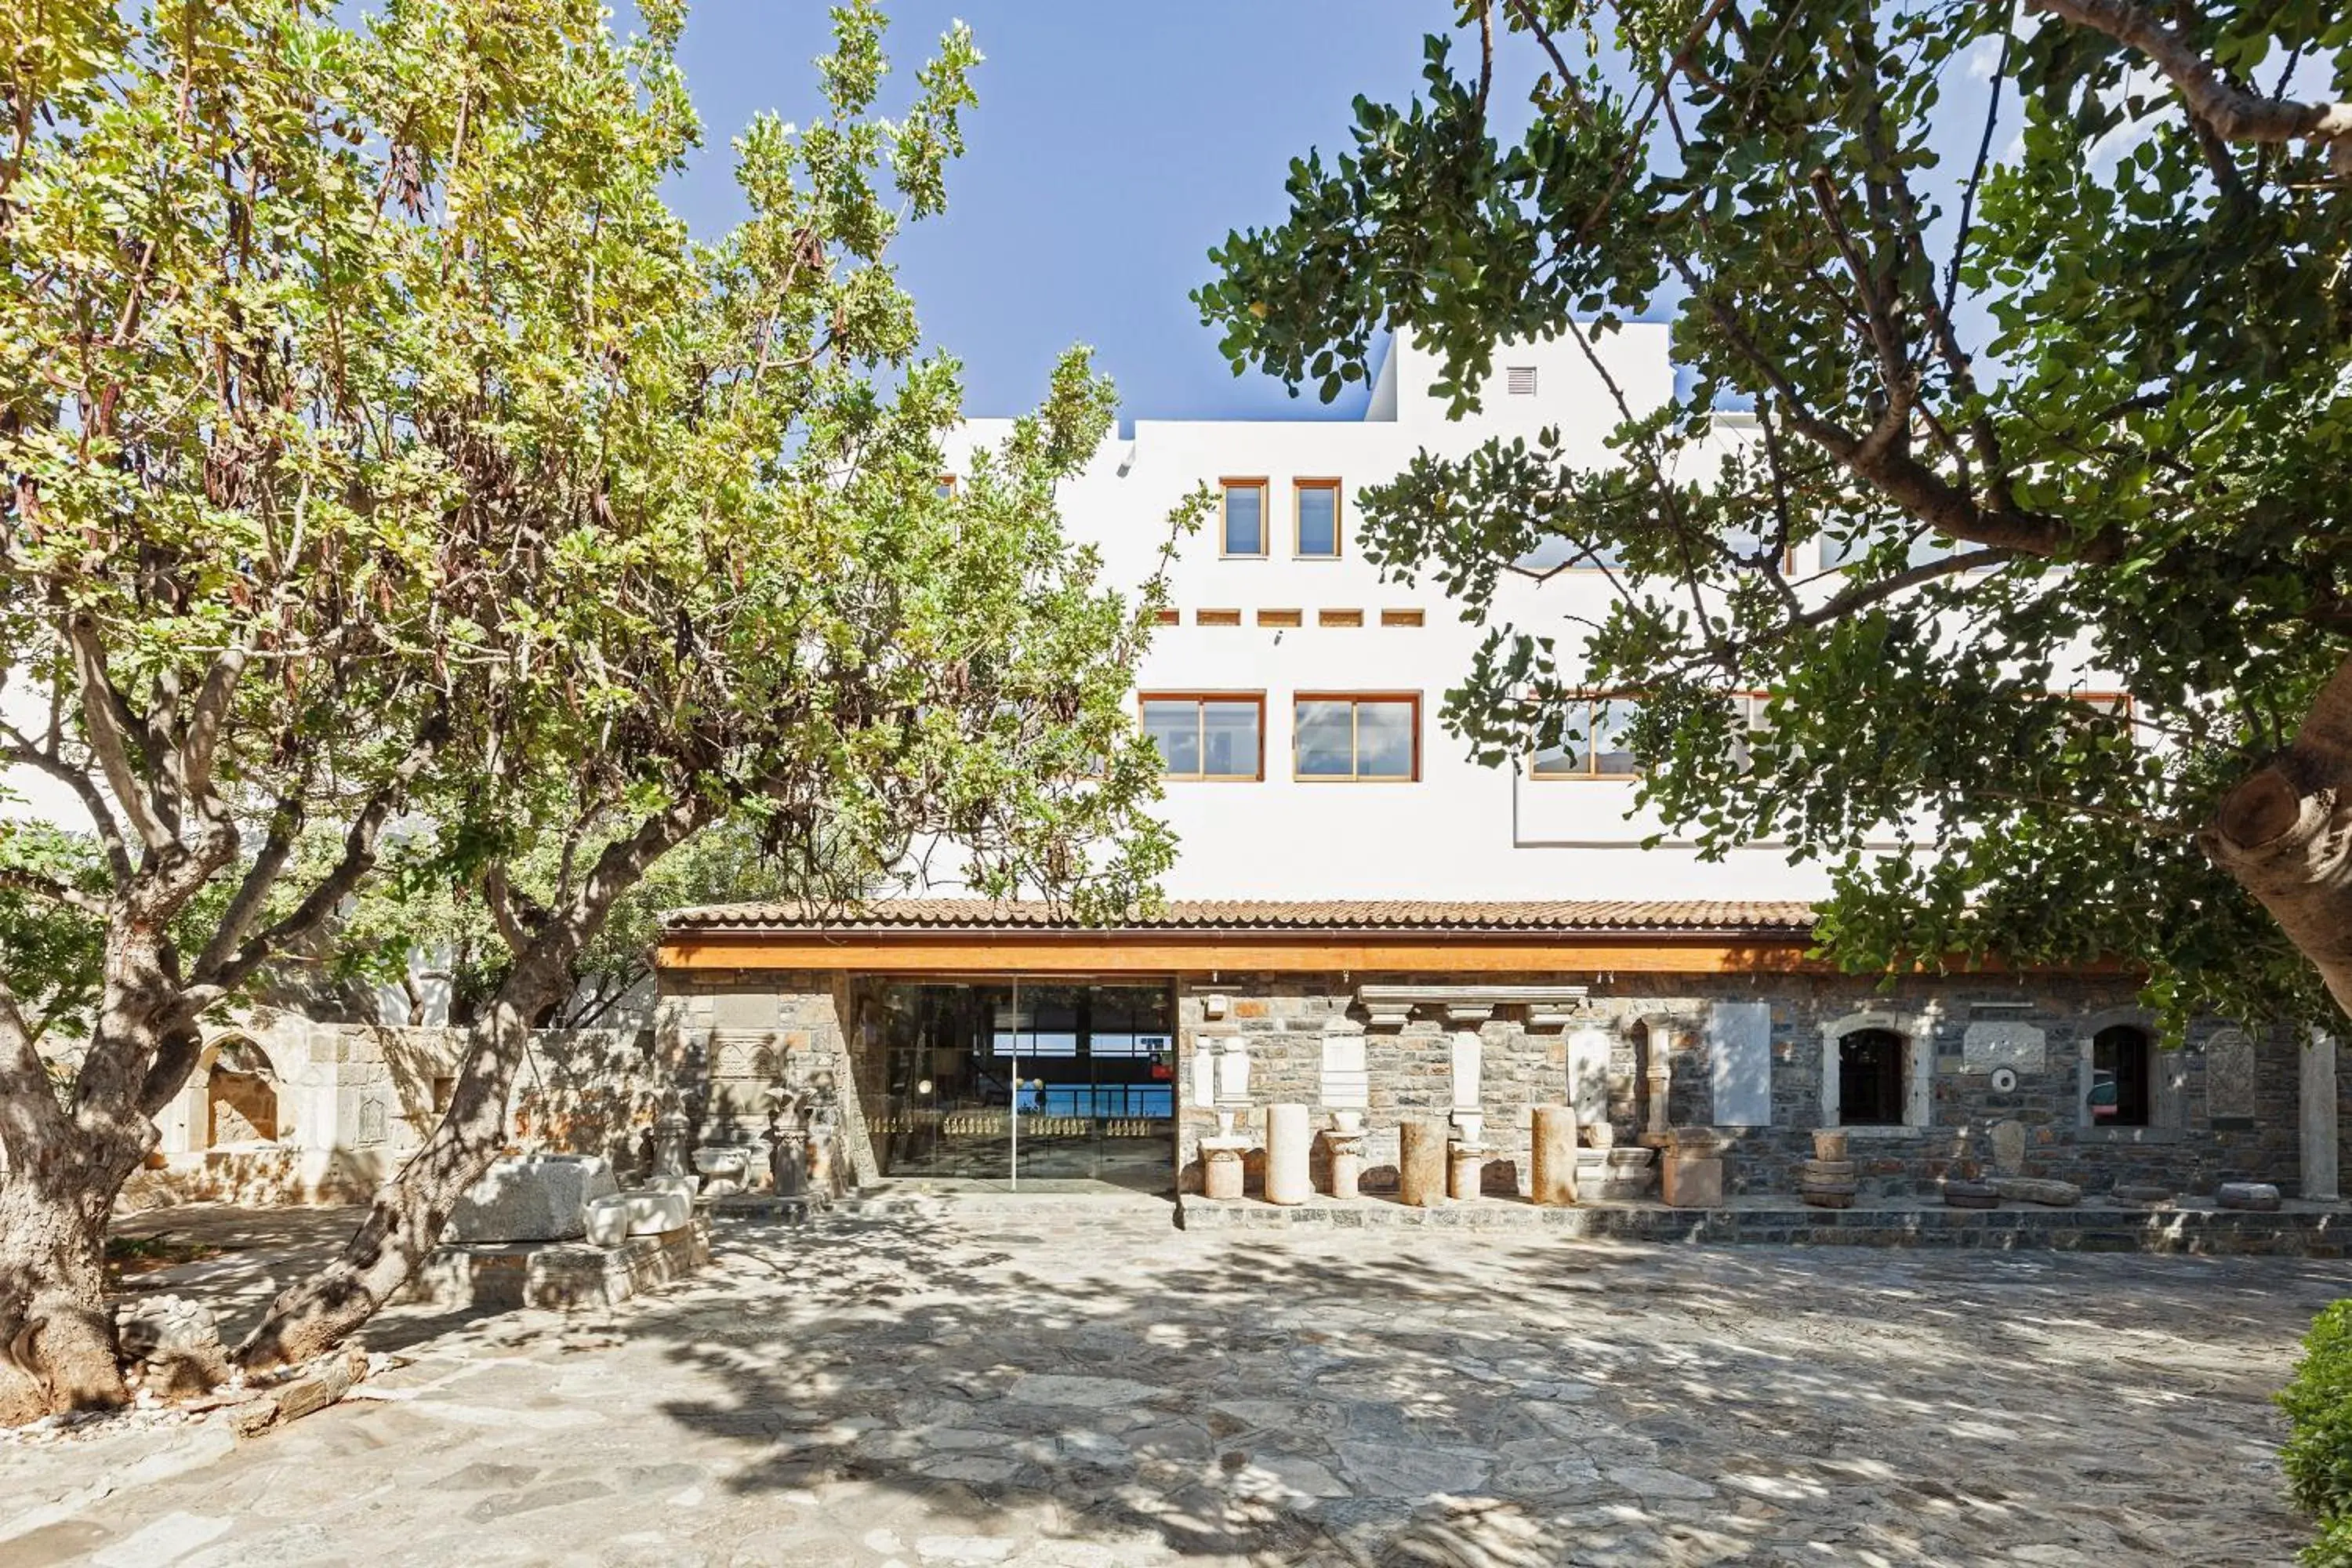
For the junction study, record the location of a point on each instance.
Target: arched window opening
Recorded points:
(2122, 1070)
(1870, 1078)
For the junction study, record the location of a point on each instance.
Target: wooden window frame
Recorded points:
(1225, 487)
(1351, 620)
(1338, 514)
(945, 487)
(1281, 620)
(1404, 617)
(1216, 617)
(1168, 617)
(1200, 734)
(1354, 700)
(1590, 775)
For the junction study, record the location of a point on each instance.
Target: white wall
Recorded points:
(1462, 831)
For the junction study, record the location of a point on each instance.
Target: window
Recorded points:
(1751, 725)
(1593, 745)
(2120, 1073)
(1279, 618)
(1168, 618)
(1870, 1078)
(1244, 517)
(1339, 617)
(1520, 380)
(1315, 503)
(1403, 619)
(945, 488)
(1216, 617)
(1207, 736)
(1367, 738)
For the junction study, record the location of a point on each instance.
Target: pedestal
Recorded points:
(1692, 1181)
(1465, 1169)
(1288, 1141)
(1553, 1180)
(1221, 1166)
(1421, 1162)
(1347, 1162)
(2318, 1118)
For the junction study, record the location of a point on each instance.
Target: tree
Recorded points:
(2038, 321)
(387, 456)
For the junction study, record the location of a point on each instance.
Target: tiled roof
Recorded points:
(1773, 917)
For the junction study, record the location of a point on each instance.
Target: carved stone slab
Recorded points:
(1740, 1062)
(2229, 1076)
(1989, 1044)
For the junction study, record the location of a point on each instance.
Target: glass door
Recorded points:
(1030, 1081)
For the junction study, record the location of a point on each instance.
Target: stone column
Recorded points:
(2319, 1150)
(1465, 1170)
(1287, 1144)
(1347, 1161)
(1553, 1182)
(1658, 1069)
(1420, 1161)
(1221, 1167)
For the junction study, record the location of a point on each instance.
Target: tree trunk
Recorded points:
(2285, 834)
(405, 1216)
(55, 1330)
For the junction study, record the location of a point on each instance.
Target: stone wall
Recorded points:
(2225, 1106)
(735, 1035)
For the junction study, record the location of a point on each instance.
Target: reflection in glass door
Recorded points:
(1047, 1082)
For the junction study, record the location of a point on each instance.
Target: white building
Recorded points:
(1284, 638)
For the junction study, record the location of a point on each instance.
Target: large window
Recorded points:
(1244, 517)
(2121, 1069)
(1870, 1078)
(1315, 504)
(1348, 736)
(1207, 736)
(1593, 745)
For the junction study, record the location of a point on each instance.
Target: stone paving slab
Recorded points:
(1081, 1385)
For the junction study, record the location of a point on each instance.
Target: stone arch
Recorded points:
(237, 1093)
(1918, 1032)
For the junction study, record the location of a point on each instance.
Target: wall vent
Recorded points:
(1520, 380)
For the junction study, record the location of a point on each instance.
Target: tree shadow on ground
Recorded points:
(1453, 1399)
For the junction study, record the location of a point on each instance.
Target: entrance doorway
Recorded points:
(1019, 1082)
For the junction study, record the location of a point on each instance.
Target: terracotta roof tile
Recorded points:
(1777, 917)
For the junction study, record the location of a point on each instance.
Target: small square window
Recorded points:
(1243, 531)
(945, 487)
(1520, 380)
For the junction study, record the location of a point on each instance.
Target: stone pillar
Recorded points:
(1553, 1182)
(1420, 1161)
(1658, 1069)
(2319, 1162)
(1221, 1167)
(1465, 1170)
(1347, 1142)
(1287, 1140)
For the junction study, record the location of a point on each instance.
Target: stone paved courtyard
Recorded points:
(1073, 1382)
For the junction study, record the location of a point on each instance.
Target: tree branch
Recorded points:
(110, 725)
(2234, 113)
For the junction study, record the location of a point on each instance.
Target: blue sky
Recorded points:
(1113, 145)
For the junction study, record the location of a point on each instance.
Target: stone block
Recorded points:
(605, 1220)
(657, 1213)
(1692, 1181)
(2258, 1196)
(532, 1197)
(2036, 1190)
(1829, 1144)
(1971, 1195)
